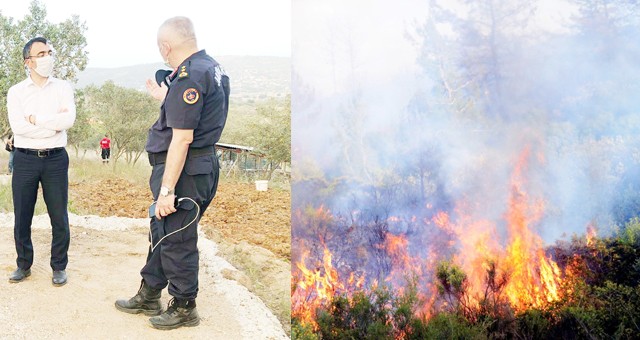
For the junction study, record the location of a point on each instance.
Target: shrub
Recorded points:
(302, 332)
(619, 312)
(600, 300)
(533, 324)
(452, 326)
(363, 316)
(377, 314)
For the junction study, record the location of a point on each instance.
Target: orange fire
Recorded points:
(316, 283)
(591, 235)
(316, 287)
(532, 278)
(477, 244)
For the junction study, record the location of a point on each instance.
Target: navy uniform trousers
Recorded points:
(52, 171)
(175, 261)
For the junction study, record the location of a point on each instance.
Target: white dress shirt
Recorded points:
(54, 110)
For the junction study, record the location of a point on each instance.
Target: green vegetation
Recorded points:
(80, 170)
(270, 132)
(6, 201)
(126, 114)
(600, 300)
(67, 38)
(265, 126)
(376, 314)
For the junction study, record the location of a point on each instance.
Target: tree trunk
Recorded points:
(138, 154)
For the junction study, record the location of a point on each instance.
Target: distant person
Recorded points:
(105, 145)
(181, 150)
(41, 109)
(9, 147)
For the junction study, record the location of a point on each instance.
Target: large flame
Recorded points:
(314, 288)
(315, 282)
(533, 277)
(529, 278)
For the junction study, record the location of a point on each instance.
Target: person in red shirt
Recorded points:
(105, 145)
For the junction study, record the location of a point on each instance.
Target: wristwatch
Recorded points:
(164, 191)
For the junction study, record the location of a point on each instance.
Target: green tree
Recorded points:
(271, 132)
(67, 39)
(236, 129)
(125, 115)
(80, 136)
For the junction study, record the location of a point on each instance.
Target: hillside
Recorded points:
(251, 77)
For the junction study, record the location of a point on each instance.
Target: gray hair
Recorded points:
(182, 27)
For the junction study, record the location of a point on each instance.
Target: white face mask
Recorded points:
(45, 66)
(166, 60)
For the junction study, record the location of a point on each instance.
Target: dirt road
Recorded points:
(105, 257)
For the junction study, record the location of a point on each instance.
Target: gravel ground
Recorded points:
(105, 257)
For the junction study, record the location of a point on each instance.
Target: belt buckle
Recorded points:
(43, 153)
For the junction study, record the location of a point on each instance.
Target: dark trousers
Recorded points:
(175, 261)
(106, 153)
(53, 173)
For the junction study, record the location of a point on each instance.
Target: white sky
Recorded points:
(335, 40)
(123, 32)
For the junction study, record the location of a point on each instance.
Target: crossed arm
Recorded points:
(41, 125)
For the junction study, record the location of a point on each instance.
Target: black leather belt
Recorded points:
(42, 153)
(161, 157)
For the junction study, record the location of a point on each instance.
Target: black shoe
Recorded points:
(19, 275)
(147, 301)
(179, 313)
(59, 278)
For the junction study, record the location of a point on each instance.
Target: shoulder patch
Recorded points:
(190, 96)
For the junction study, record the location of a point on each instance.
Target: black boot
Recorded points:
(147, 301)
(179, 313)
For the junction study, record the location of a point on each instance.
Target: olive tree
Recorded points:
(67, 38)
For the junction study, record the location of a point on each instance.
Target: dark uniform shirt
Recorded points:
(197, 99)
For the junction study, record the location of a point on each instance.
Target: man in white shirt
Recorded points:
(41, 109)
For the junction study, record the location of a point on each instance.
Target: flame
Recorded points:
(402, 262)
(532, 279)
(316, 287)
(477, 247)
(591, 235)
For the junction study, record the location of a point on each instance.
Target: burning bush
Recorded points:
(378, 313)
(453, 274)
(597, 297)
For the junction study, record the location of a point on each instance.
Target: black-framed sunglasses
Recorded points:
(42, 54)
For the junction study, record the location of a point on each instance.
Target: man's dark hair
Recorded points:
(27, 47)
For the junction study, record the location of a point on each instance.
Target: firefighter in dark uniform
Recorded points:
(181, 151)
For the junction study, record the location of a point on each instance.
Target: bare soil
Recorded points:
(244, 246)
(238, 213)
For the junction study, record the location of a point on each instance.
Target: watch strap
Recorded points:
(165, 191)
